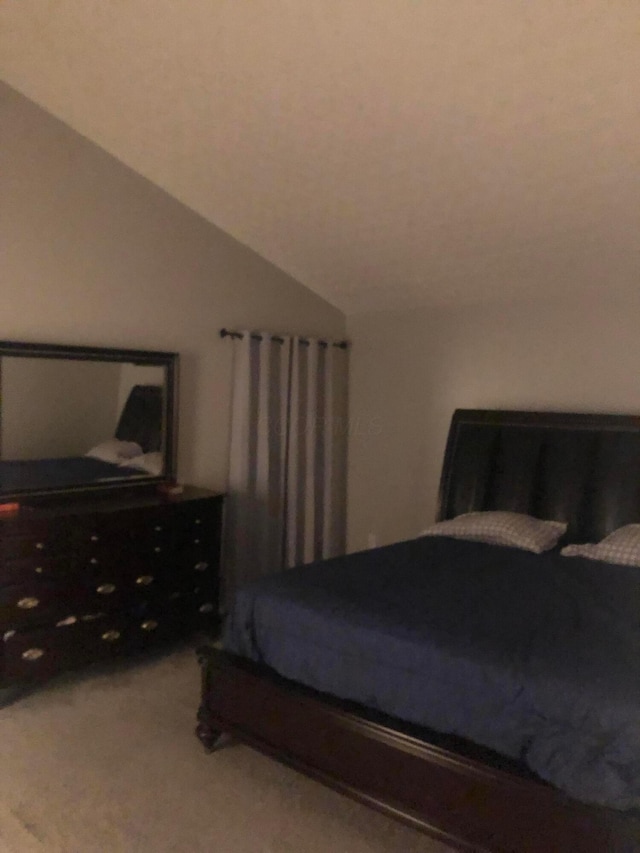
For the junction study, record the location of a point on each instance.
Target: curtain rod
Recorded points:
(226, 333)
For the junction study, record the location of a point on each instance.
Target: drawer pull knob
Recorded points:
(91, 617)
(70, 620)
(38, 570)
(144, 580)
(157, 549)
(201, 567)
(198, 521)
(206, 608)
(111, 636)
(149, 625)
(32, 654)
(196, 541)
(158, 528)
(106, 588)
(93, 561)
(28, 603)
(40, 546)
(95, 538)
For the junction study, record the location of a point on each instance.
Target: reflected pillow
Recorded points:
(622, 547)
(513, 529)
(150, 463)
(114, 451)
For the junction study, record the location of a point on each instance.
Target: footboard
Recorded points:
(466, 803)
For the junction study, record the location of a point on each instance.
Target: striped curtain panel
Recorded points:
(287, 476)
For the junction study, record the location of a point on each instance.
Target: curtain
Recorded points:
(286, 495)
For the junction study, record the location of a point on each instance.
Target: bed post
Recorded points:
(210, 737)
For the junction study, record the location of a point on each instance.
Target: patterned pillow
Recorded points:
(622, 547)
(513, 529)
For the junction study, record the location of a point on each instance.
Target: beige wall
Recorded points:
(409, 371)
(94, 254)
(53, 408)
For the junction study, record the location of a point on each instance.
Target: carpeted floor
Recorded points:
(108, 763)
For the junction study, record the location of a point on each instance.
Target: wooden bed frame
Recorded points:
(583, 469)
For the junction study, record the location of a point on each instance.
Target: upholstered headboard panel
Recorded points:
(141, 418)
(580, 468)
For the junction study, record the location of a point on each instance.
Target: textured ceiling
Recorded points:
(386, 153)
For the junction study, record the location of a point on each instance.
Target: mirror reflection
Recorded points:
(68, 422)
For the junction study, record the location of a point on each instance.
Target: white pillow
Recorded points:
(114, 451)
(621, 547)
(151, 463)
(513, 529)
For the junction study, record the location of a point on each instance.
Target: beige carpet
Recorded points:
(108, 763)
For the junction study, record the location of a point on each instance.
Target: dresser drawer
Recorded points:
(35, 545)
(185, 612)
(198, 524)
(35, 603)
(24, 569)
(119, 532)
(42, 652)
(120, 561)
(191, 574)
(93, 579)
(32, 654)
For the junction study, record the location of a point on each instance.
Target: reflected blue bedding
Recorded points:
(17, 475)
(534, 656)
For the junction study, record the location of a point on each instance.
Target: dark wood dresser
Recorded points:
(88, 579)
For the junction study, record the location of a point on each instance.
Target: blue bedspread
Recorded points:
(534, 656)
(19, 475)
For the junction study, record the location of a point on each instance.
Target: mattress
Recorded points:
(534, 656)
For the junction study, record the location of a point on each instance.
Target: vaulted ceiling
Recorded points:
(386, 153)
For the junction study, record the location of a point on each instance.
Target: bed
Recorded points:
(436, 707)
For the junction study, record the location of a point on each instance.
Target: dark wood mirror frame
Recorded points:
(167, 360)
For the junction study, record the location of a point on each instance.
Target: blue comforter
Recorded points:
(19, 475)
(534, 656)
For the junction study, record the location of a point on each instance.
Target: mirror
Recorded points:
(73, 417)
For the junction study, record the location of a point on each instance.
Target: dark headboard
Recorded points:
(141, 418)
(580, 468)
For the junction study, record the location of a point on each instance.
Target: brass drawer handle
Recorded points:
(40, 546)
(111, 636)
(149, 625)
(158, 528)
(95, 538)
(196, 541)
(70, 620)
(32, 654)
(144, 580)
(201, 567)
(93, 561)
(38, 570)
(198, 521)
(28, 603)
(206, 608)
(157, 549)
(106, 588)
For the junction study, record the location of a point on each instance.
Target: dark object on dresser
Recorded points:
(583, 469)
(87, 580)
